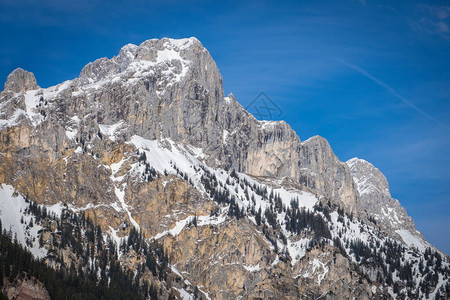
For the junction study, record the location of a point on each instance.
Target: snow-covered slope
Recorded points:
(20, 222)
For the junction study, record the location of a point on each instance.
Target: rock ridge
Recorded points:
(173, 89)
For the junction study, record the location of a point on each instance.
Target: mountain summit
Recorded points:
(194, 196)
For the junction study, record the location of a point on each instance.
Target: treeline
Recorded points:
(60, 283)
(389, 257)
(298, 220)
(156, 259)
(95, 271)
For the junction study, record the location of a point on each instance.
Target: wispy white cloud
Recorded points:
(442, 27)
(393, 92)
(432, 19)
(441, 12)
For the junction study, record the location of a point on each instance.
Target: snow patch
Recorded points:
(12, 211)
(71, 134)
(31, 102)
(297, 249)
(209, 220)
(182, 43)
(374, 289)
(411, 239)
(110, 130)
(120, 193)
(13, 120)
(316, 266)
(201, 221)
(225, 135)
(57, 208)
(268, 125)
(253, 268)
(184, 295)
(176, 229)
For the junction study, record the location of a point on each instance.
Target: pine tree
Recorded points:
(258, 217)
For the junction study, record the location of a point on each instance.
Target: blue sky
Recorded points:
(372, 77)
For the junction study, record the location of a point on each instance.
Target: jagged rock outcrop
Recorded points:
(254, 271)
(173, 89)
(321, 170)
(376, 200)
(20, 81)
(25, 288)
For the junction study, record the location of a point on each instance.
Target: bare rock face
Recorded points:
(233, 255)
(240, 263)
(332, 276)
(172, 89)
(321, 170)
(25, 288)
(20, 81)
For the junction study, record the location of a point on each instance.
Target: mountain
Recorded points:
(375, 197)
(141, 168)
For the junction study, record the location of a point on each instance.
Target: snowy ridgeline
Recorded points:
(125, 68)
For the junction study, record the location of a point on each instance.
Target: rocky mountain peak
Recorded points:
(168, 56)
(376, 200)
(20, 81)
(368, 179)
(173, 89)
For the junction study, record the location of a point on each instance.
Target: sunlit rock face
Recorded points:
(173, 89)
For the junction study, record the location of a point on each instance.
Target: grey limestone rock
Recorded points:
(20, 81)
(376, 199)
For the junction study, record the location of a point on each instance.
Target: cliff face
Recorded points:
(172, 89)
(147, 140)
(20, 81)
